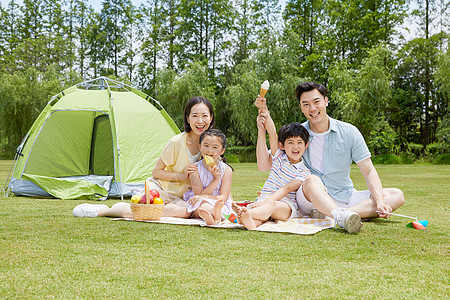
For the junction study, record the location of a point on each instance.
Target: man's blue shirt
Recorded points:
(344, 144)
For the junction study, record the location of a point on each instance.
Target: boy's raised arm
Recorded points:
(273, 136)
(263, 159)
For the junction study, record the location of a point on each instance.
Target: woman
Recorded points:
(171, 171)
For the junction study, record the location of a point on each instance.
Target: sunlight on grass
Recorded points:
(47, 253)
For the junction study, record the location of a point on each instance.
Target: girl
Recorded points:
(172, 170)
(210, 197)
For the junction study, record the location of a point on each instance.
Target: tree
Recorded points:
(417, 62)
(362, 96)
(113, 24)
(153, 20)
(173, 91)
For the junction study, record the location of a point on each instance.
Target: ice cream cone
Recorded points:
(264, 88)
(262, 92)
(209, 161)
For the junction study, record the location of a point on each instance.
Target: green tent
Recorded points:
(97, 139)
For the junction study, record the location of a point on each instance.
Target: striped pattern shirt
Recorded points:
(281, 173)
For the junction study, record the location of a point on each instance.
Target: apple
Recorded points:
(154, 193)
(144, 199)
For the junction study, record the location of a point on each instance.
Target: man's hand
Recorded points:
(384, 211)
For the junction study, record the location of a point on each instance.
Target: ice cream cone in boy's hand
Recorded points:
(209, 161)
(264, 88)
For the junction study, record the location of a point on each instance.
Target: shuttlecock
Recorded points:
(264, 88)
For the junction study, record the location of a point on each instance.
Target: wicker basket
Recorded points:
(147, 212)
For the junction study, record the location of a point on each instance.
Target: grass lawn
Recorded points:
(47, 253)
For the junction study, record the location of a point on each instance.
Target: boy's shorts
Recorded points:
(305, 207)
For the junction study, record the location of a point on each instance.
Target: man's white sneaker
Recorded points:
(88, 210)
(346, 219)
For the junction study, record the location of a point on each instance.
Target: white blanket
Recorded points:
(302, 225)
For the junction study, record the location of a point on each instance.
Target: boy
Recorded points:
(277, 198)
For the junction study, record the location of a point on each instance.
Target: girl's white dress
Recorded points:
(206, 177)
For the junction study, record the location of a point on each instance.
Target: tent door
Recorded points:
(102, 154)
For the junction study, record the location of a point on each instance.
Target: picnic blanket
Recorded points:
(303, 225)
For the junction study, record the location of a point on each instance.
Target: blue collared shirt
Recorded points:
(344, 145)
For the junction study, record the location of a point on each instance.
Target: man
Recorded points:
(334, 145)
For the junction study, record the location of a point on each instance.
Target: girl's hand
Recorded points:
(215, 172)
(194, 200)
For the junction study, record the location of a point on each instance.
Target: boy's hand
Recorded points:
(260, 103)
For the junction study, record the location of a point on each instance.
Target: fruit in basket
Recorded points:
(158, 200)
(143, 199)
(135, 199)
(154, 193)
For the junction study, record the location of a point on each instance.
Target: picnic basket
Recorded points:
(147, 212)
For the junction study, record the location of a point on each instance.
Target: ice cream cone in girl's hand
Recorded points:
(209, 161)
(264, 88)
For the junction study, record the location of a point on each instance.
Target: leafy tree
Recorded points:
(81, 29)
(22, 98)
(362, 96)
(153, 20)
(113, 24)
(417, 61)
(173, 91)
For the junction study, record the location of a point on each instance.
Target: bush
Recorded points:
(405, 159)
(244, 154)
(434, 149)
(442, 159)
(415, 149)
(386, 159)
(231, 158)
(382, 140)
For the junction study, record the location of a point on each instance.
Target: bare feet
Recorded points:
(237, 209)
(244, 216)
(217, 210)
(206, 216)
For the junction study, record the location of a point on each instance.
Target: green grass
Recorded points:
(47, 253)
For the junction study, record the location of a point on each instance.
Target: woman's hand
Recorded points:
(190, 169)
